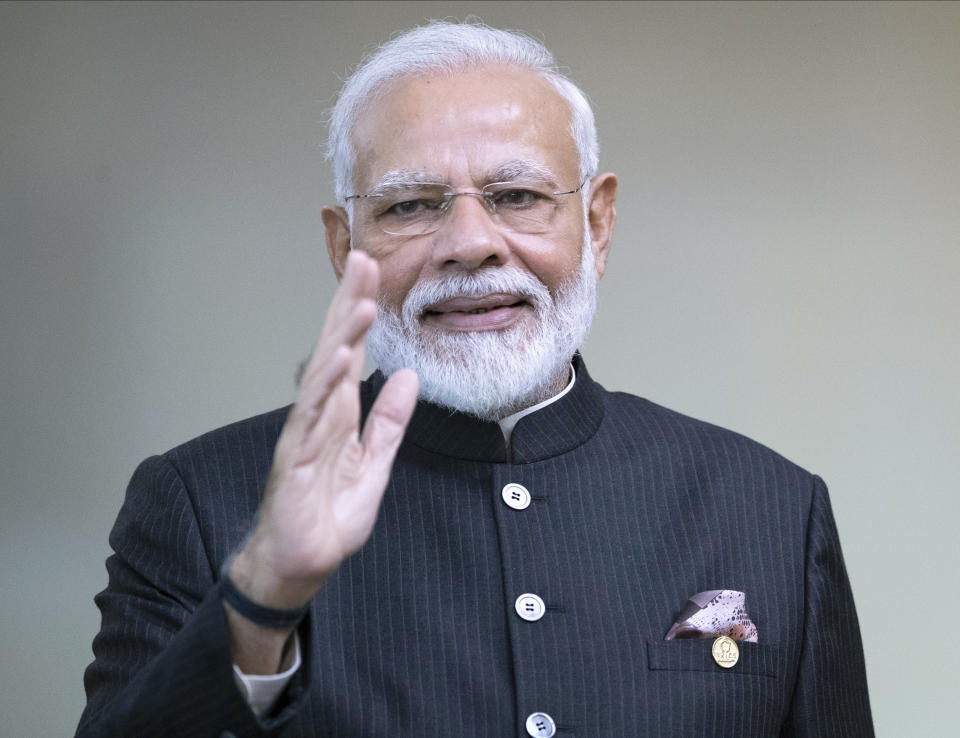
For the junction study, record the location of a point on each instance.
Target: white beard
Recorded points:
(489, 374)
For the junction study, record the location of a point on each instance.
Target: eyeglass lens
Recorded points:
(419, 209)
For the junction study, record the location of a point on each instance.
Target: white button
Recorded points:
(541, 725)
(516, 496)
(530, 607)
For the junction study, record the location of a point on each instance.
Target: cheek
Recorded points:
(554, 262)
(401, 264)
(398, 274)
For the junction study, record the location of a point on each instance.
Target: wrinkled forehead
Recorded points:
(465, 128)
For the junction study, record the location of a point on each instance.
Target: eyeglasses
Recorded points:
(417, 209)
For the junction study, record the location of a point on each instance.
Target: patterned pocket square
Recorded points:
(716, 612)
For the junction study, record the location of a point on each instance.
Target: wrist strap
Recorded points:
(266, 617)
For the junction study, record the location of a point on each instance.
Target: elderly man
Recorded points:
(486, 543)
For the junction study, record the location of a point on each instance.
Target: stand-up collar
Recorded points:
(555, 429)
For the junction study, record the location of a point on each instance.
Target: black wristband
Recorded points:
(266, 617)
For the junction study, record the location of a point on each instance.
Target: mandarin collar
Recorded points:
(559, 427)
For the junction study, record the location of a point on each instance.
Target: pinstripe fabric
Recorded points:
(634, 509)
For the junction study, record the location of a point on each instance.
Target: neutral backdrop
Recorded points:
(785, 264)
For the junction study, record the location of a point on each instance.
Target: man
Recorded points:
(486, 543)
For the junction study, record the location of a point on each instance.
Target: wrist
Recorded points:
(260, 582)
(257, 650)
(260, 633)
(265, 616)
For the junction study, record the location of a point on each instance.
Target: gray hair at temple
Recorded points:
(441, 46)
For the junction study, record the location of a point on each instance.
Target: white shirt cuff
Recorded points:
(263, 690)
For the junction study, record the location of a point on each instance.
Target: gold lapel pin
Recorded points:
(725, 652)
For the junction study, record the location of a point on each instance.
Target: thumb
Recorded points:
(388, 419)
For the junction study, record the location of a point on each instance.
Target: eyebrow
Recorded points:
(523, 169)
(398, 179)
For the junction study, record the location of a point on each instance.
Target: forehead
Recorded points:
(462, 127)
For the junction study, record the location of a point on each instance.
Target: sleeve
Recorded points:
(830, 695)
(162, 661)
(263, 690)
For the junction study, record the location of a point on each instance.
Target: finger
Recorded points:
(352, 310)
(315, 389)
(367, 272)
(312, 395)
(358, 352)
(325, 415)
(388, 419)
(360, 281)
(349, 334)
(341, 409)
(336, 428)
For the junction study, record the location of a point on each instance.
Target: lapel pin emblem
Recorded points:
(725, 652)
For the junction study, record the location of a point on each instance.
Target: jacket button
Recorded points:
(516, 496)
(530, 607)
(541, 725)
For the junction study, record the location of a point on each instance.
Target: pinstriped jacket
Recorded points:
(634, 508)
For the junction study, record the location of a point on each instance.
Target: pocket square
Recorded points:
(716, 612)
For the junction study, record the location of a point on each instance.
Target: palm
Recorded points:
(327, 479)
(331, 499)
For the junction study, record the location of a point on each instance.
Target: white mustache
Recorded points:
(505, 280)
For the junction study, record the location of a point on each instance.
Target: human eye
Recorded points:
(407, 208)
(518, 198)
(410, 205)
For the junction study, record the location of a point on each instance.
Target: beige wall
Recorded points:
(785, 264)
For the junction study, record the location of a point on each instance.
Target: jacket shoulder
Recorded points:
(677, 433)
(218, 476)
(225, 470)
(252, 436)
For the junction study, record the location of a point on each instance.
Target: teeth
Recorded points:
(478, 311)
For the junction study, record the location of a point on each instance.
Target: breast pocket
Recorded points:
(694, 695)
(696, 654)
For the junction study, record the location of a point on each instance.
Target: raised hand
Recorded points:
(327, 481)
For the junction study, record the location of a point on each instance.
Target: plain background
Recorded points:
(785, 264)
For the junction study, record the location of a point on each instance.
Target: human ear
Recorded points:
(336, 222)
(601, 215)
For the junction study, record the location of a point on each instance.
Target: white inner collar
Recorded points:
(507, 424)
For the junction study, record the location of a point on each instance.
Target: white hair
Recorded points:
(441, 46)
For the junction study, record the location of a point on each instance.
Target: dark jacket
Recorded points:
(634, 509)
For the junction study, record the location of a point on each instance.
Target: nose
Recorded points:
(468, 238)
